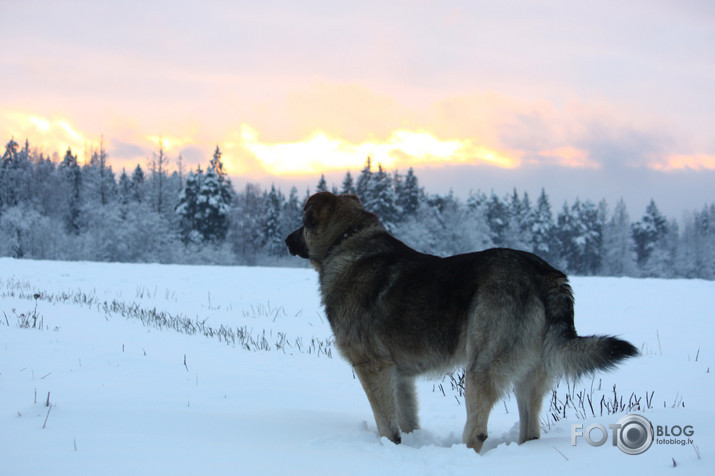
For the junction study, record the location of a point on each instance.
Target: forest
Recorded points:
(55, 208)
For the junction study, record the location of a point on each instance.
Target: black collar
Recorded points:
(339, 240)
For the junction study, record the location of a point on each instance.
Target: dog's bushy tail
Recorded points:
(568, 354)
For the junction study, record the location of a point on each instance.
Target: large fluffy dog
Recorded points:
(507, 316)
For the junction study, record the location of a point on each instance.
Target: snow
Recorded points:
(133, 397)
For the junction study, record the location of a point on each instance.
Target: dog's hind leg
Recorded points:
(483, 387)
(406, 404)
(379, 380)
(530, 391)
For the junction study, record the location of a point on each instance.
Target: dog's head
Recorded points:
(327, 219)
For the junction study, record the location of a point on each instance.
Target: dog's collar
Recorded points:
(339, 240)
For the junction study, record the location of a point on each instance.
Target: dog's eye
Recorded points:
(309, 218)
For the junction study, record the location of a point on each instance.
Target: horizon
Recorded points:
(442, 180)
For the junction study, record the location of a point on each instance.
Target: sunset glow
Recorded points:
(49, 135)
(315, 154)
(168, 144)
(403, 148)
(245, 152)
(569, 156)
(682, 162)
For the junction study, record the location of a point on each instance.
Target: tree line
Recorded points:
(52, 208)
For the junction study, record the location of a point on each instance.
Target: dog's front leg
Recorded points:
(379, 381)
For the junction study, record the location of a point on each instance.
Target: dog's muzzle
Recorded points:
(296, 244)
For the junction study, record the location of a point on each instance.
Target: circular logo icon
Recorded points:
(635, 434)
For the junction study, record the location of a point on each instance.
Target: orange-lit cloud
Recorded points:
(52, 135)
(246, 152)
(402, 148)
(569, 156)
(681, 162)
(169, 144)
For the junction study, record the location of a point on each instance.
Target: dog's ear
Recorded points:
(317, 203)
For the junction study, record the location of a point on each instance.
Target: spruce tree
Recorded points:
(212, 209)
(217, 165)
(498, 219)
(322, 184)
(273, 236)
(362, 187)
(648, 232)
(124, 188)
(591, 237)
(158, 179)
(618, 250)
(72, 175)
(542, 229)
(408, 195)
(137, 184)
(348, 186)
(187, 207)
(381, 198)
(12, 178)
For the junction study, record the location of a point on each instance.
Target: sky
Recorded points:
(592, 100)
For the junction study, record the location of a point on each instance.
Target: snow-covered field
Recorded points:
(155, 369)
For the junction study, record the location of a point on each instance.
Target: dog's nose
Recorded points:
(296, 244)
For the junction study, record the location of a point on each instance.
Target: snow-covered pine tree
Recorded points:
(362, 187)
(15, 171)
(10, 155)
(566, 233)
(322, 184)
(579, 236)
(187, 207)
(698, 245)
(138, 185)
(99, 183)
(518, 227)
(618, 250)
(542, 229)
(228, 194)
(648, 233)
(397, 184)
(124, 188)
(705, 230)
(291, 214)
(409, 195)
(158, 179)
(348, 186)
(246, 224)
(47, 188)
(592, 237)
(498, 219)
(217, 165)
(72, 175)
(273, 238)
(212, 209)
(477, 200)
(381, 198)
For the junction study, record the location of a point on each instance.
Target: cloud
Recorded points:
(566, 156)
(401, 149)
(57, 134)
(327, 126)
(121, 150)
(683, 162)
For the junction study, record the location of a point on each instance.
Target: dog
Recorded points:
(505, 316)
